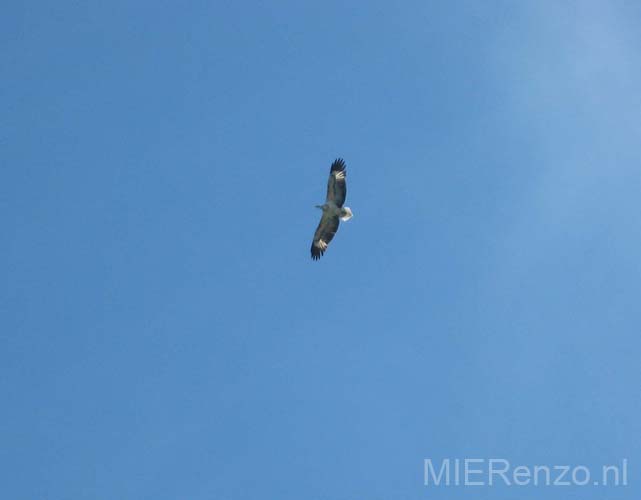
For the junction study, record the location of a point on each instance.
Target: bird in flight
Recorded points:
(333, 209)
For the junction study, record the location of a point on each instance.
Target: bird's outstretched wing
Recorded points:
(336, 185)
(325, 231)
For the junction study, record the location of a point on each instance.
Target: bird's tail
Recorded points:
(346, 213)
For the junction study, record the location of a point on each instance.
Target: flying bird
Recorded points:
(333, 209)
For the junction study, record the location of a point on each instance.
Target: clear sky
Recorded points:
(164, 332)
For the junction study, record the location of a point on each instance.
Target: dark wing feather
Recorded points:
(336, 185)
(325, 232)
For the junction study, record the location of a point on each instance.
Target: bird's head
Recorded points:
(346, 214)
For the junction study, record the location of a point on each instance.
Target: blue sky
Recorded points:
(165, 333)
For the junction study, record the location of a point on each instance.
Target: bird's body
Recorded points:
(333, 209)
